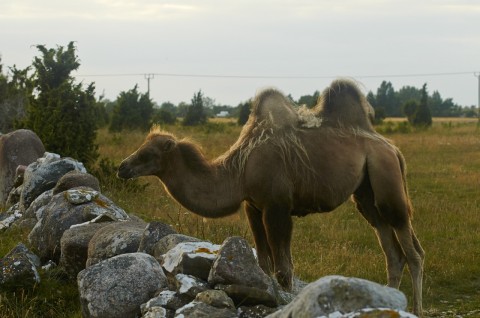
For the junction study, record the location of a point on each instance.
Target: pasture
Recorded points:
(444, 184)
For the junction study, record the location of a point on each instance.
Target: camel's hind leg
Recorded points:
(387, 179)
(265, 258)
(395, 258)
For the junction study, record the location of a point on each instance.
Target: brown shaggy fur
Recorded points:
(280, 169)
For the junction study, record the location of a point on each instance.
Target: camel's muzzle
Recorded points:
(124, 172)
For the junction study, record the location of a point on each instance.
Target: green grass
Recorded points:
(444, 178)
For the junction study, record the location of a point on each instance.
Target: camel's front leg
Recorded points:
(278, 226)
(265, 259)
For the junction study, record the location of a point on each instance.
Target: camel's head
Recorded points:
(150, 159)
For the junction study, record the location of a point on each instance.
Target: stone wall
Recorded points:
(125, 267)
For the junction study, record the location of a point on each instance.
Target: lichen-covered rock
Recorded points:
(60, 214)
(43, 175)
(19, 268)
(215, 298)
(371, 313)
(75, 179)
(74, 247)
(118, 286)
(248, 296)
(332, 294)
(168, 299)
(168, 242)
(81, 195)
(152, 234)
(258, 311)
(14, 195)
(199, 309)
(236, 264)
(114, 239)
(98, 208)
(192, 258)
(20, 147)
(190, 286)
(156, 312)
(9, 217)
(237, 271)
(37, 207)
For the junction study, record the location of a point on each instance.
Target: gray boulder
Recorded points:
(118, 286)
(191, 258)
(337, 294)
(43, 175)
(167, 299)
(168, 242)
(258, 311)
(74, 247)
(236, 264)
(189, 286)
(62, 212)
(75, 179)
(14, 195)
(215, 298)
(199, 309)
(19, 268)
(236, 271)
(37, 207)
(114, 239)
(152, 234)
(10, 216)
(156, 312)
(20, 147)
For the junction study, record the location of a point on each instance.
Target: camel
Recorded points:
(288, 162)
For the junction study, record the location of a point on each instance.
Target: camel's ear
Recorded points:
(169, 145)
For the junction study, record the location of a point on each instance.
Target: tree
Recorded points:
(102, 117)
(410, 109)
(379, 111)
(409, 93)
(423, 117)
(244, 112)
(195, 113)
(387, 99)
(60, 111)
(14, 97)
(309, 100)
(132, 111)
(165, 114)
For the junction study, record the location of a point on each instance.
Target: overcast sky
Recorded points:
(234, 48)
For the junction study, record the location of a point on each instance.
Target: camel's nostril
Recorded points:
(123, 172)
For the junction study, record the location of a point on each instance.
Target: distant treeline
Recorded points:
(46, 98)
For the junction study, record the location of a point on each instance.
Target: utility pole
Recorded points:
(148, 77)
(477, 75)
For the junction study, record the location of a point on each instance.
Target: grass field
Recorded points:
(444, 182)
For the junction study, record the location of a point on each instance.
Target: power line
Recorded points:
(151, 75)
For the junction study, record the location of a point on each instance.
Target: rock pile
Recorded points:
(125, 267)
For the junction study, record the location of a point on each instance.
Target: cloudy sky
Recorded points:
(232, 48)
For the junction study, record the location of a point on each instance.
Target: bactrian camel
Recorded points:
(291, 161)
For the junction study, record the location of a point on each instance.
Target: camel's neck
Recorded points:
(205, 188)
